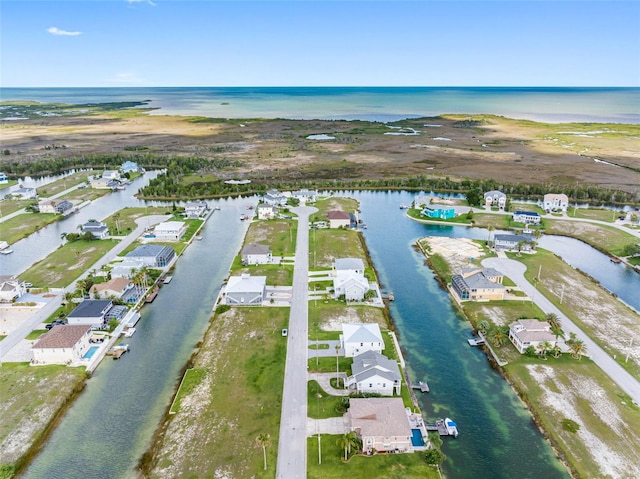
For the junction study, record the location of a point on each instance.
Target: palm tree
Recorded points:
(63, 236)
(263, 440)
(578, 349)
(483, 326)
(544, 347)
(555, 323)
(556, 351)
(499, 336)
(354, 441)
(344, 443)
(116, 218)
(490, 228)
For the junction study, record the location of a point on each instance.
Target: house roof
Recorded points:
(479, 280)
(350, 276)
(246, 284)
(384, 417)
(495, 193)
(62, 336)
(532, 330)
(94, 225)
(255, 248)
(362, 333)
(528, 213)
(147, 250)
(511, 238)
(90, 308)
(342, 264)
(372, 363)
(264, 206)
(114, 284)
(169, 226)
(338, 215)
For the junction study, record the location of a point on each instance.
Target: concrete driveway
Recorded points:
(324, 352)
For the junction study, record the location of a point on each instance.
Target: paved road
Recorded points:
(52, 197)
(292, 444)
(515, 270)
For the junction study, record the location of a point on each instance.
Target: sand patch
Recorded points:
(457, 252)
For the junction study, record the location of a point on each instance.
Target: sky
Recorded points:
(126, 43)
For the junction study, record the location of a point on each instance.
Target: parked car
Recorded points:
(56, 323)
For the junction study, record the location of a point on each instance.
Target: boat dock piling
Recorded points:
(422, 386)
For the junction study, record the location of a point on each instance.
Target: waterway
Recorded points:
(111, 424)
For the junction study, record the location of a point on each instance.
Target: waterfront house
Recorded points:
(381, 424)
(374, 373)
(361, 337)
(245, 290)
(256, 254)
(439, 213)
(526, 217)
(11, 288)
(91, 311)
(55, 206)
(130, 167)
(305, 195)
(195, 209)
(339, 219)
(555, 202)
(350, 284)
(170, 230)
(63, 344)
(98, 229)
(24, 194)
(104, 183)
(111, 174)
(266, 212)
(348, 264)
(512, 243)
(152, 255)
(126, 267)
(478, 284)
(114, 288)
(3, 178)
(524, 333)
(496, 199)
(274, 198)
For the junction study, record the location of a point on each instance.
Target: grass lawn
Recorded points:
(36, 333)
(19, 227)
(609, 424)
(279, 235)
(326, 318)
(600, 214)
(380, 466)
(84, 194)
(325, 245)
(527, 207)
(65, 264)
(461, 219)
(10, 206)
(126, 218)
(635, 261)
(605, 238)
(334, 203)
(327, 364)
(31, 396)
(276, 275)
(191, 379)
(62, 184)
(322, 405)
(235, 395)
(484, 220)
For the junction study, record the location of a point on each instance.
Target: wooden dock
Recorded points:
(440, 427)
(422, 386)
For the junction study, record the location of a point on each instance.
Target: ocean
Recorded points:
(385, 104)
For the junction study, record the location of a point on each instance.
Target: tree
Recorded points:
(544, 348)
(556, 351)
(116, 218)
(490, 228)
(474, 196)
(354, 441)
(553, 320)
(483, 326)
(263, 440)
(344, 443)
(499, 336)
(578, 349)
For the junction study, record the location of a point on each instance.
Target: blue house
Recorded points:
(130, 167)
(440, 213)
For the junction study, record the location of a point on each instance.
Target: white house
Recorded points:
(555, 202)
(266, 212)
(308, 196)
(275, 198)
(152, 255)
(361, 337)
(111, 174)
(339, 219)
(374, 373)
(90, 311)
(11, 288)
(526, 217)
(382, 424)
(55, 206)
(124, 268)
(25, 193)
(170, 230)
(195, 209)
(495, 198)
(348, 264)
(530, 332)
(350, 284)
(245, 290)
(512, 242)
(256, 254)
(63, 344)
(98, 229)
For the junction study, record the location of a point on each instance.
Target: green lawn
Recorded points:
(325, 245)
(484, 220)
(10, 206)
(126, 218)
(594, 214)
(19, 227)
(62, 184)
(191, 379)
(279, 235)
(322, 405)
(380, 466)
(36, 333)
(333, 203)
(84, 194)
(461, 219)
(605, 238)
(277, 275)
(327, 313)
(67, 263)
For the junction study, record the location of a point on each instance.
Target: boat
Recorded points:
(167, 279)
(452, 427)
(152, 295)
(614, 259)
(6, 251)
(198, 238)
(404, 207)
(4, 248)
(129, 332)
(118, 350)
(475, 341)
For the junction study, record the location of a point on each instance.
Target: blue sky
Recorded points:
(269, 43)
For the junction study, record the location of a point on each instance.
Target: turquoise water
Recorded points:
(416, 438)
(620, 105)
(90, 352)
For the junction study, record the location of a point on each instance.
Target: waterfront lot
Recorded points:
(126, 218)
(241, 364)
(605, 238)
(279, 235)
(62, 184)
(326, 245)
(67, 263)
(19, 227)
(10, 206)
(31, 398)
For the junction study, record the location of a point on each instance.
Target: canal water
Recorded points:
(111, 424)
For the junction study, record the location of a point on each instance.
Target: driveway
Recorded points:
(324, 380)
(331, 425)
(515, 270)
(329, 351)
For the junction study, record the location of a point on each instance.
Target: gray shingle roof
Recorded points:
(372, 363)
(90, 308)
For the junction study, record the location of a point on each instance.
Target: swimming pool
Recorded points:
(416, 438)
(90, 352)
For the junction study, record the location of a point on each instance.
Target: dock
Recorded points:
(422, 386)
(441, 428)
(152, 295)
(475, 341)
(118, 350)
(167, 279)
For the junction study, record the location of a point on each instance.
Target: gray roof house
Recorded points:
(510, 242)
(275, 197)
(256, 254)
(374, 373)
(245, 290)
(478, 284)
(382, 424)
(349, 264)
(152, 255)
(90, 311)
(495, 198)
(524, 333)
(98, 229)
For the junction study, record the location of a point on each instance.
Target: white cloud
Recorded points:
(142, 1)
(126, 78)
(58, 31)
